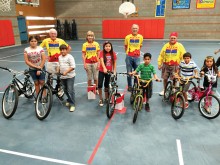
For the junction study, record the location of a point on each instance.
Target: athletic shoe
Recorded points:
(161, 93)
(67, 104)
(186, 105)
(72, 108)
(44, 100)
(101, 103)
(147, 107)
(207, 110)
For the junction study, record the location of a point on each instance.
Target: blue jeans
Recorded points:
(131, 64)
(69, 90)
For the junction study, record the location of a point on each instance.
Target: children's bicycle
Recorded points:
(177, 98)
(45, 96)
(209, 104)
(14, 90)
(113, 93)
(136, 97)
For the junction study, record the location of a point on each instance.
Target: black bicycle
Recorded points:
(14, 90)
(113, 94)
(44, 99)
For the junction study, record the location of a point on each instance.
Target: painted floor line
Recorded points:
(179, 150)
(39, 157)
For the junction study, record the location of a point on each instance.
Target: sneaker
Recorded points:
(147, 107)
(186, 105)
(207, 110)
(44, 100)
(129, 89)
(161, 93)
(72, 108)
(67, 104)
(101, 103)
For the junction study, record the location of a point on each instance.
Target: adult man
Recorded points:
(133, 43)
(52, 45)
(169, 58)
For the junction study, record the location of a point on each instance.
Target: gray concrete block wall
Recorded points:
(11, 15)
(189, 23)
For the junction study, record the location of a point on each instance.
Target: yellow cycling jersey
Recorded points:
(133, 44)
(91, 50)
(52, 47)
(171, 54)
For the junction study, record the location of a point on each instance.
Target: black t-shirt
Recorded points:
(208, 71)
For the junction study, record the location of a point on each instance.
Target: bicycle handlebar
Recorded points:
(147, 81)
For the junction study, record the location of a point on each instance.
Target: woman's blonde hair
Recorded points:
(90, 33)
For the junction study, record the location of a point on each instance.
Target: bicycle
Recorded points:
(209, 104)
(113, 93)
(44, 99)
(14, 90)
(177, 98)
(136, 97)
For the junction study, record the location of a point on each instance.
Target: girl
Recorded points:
(90, 50)
(209, 69)
(107, 63)
(34, 57)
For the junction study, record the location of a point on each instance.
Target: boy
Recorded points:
(146, 69)
(67, 69)
(186, 69)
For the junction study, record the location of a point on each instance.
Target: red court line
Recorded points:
(100, 140)
(102, 136)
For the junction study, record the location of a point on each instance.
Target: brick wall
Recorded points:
(190, 23)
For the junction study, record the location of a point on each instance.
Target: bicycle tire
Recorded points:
(178, 102)
(133, 93)
(168, 91)
(29, 90)
(191, 91)
(214, 111)
(8, 113)
(111, 104)
(138, 106)
(43, 103)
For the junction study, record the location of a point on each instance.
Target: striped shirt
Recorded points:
(146, 71)
(186, 70)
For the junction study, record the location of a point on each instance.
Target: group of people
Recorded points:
(173, 58)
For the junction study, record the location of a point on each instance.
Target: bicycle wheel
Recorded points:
(178, 106)
(138, 102)
(111, 104)
(168, 91)
(209, 106)
(44, 102)
(29, 89)
(9, 101)
(133, 93)
(191, 91)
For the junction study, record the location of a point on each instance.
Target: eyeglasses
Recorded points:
(173, 38)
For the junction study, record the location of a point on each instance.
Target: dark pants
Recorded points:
(69, 89)
(101, 78)
(218, 62)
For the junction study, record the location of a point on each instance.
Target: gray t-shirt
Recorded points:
(66, 62)
(34, 55)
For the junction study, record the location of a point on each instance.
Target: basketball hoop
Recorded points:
(127, 8)
(5, 5)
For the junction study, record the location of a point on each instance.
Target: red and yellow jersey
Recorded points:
(133, 44)
(171, 54)
(52, 47)
(91, 51)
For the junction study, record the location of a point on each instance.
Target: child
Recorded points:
(90, 50)
(67, 69)
(147, 69)
(209, 68)
(186, 69)
(107, 63)
(34, 57)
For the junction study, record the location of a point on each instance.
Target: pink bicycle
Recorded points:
(209, 104)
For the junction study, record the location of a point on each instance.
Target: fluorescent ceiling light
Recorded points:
(39, 18)
(40, 26)
(38, 32)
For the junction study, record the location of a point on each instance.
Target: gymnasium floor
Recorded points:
(86, 136)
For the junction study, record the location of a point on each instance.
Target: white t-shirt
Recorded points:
(65, 63)
(34, 55)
